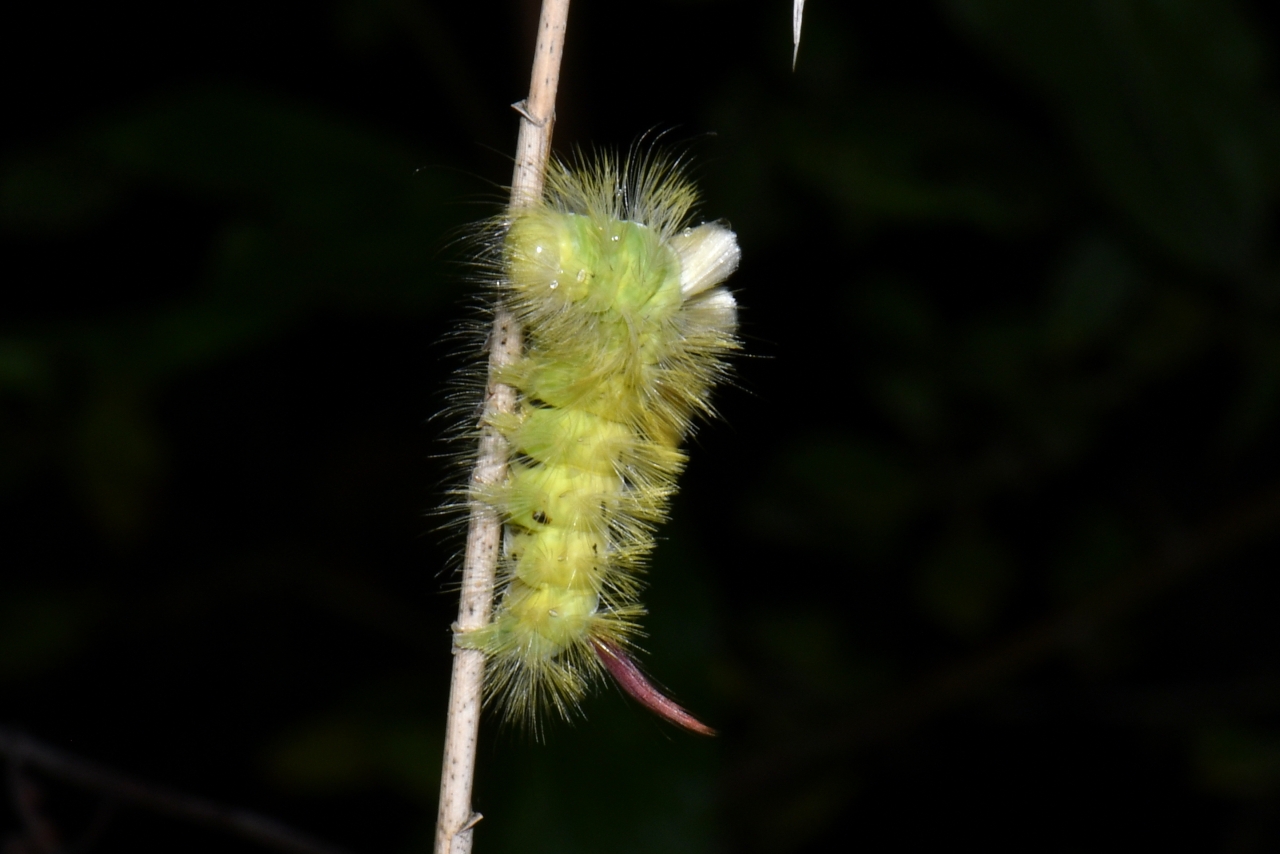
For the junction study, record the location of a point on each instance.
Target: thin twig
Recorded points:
(456, 821)
(23, 750)
(40, 836)
(1197, 549)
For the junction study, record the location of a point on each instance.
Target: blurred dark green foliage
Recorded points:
(978, 555)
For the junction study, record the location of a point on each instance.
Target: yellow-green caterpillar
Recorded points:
(626, 327)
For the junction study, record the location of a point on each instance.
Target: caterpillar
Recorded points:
(626, 328)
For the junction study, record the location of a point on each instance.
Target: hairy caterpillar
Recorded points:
(626, 328)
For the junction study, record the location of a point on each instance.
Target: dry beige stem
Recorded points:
(456, 820)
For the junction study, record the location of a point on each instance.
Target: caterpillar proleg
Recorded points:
(626, 328)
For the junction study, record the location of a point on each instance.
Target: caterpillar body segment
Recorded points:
(626, 327)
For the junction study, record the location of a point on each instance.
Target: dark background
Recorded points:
(978, 554)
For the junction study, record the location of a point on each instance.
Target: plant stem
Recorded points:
(22, 752)
(456, 820)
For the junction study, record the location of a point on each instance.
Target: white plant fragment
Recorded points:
(797, 15)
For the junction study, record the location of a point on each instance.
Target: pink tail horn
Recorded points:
(635, 683)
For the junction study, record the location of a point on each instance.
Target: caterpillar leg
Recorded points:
(632, 680)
